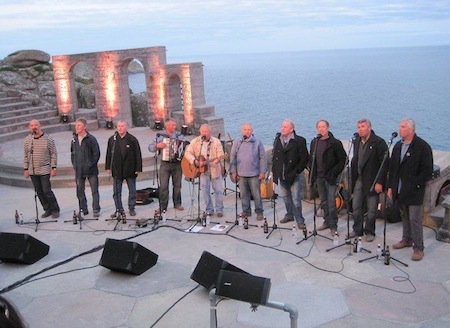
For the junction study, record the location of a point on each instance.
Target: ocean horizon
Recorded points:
(383, 85)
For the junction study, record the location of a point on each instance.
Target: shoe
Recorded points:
(370, 238)
(179, 207)
(334, 232)
(132, 212)
(417, 255)
(301, 226)
(259, 216)
(115, 214)
(46, 214)
(96, 214)
(55, 215)
(84, 212)
(245, 215)
(402, 244)
(323, 227)
(219, 215)
(352, 234)
(157, 211)
(286, 219)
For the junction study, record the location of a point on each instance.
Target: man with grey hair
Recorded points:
(39, 162)
(85, 154)
(410, 167)
(289, 159)
(368, 154)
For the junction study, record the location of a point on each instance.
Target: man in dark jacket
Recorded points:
(411, 166)
(289, 159)
(327, 162)
(123, 162)
(368, 154)
(85, 153)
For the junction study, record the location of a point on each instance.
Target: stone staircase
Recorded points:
(15, 116)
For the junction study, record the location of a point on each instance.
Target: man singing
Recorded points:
(123, 162)
(205, 152)
(39, 162)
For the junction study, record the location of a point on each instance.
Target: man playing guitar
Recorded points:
(203, 155)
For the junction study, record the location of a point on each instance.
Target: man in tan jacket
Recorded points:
(204, 153)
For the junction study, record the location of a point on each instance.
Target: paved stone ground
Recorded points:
(67, 288)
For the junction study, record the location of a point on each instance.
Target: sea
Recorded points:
(383, 85)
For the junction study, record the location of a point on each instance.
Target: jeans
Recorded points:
(358, 216)
(205, 183)
(117, 193)
(81, 195)
(327, 195)
(292, 197)
(43, 188)
(412, 225)
(167, 170)
(250, 187)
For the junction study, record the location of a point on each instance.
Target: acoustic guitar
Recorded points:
(191, 171)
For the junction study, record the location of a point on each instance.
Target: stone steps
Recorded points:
(8, 100)
(19, 112)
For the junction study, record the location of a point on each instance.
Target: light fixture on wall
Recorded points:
(158, 125)
(64, 118)
(109, 125)
(184, 129)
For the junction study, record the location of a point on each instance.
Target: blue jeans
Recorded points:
(205, 183)
(117, 193)
(327, 195)
(249, 187)
(81, 195)
(358, 215)
(412, 225)
(43, 188)
(167, 170)
(292, 197)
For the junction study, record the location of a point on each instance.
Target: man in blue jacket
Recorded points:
(85, 153)
(123, 162)
(411, 166)
(248, 166)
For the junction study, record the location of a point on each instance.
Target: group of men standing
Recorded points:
(403, 175)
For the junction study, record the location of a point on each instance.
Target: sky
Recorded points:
(203, 27)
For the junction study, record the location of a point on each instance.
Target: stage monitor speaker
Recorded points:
(21, 248)
(208, 268)
(127, 257)
(243, 287)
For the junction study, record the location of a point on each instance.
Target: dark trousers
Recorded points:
(43, 188)
(81, 195)
(117, 193)
(166, 171)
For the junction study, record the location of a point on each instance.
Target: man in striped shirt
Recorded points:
(39, 162)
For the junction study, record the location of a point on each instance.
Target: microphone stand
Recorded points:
(313, 162)
(349, 199)
(386, 155)
(198, 219)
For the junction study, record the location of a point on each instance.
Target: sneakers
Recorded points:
(259, 216)
(84, 212)
(402, 244)
(46, 214)
(55, 215)
(334, 232)
(219, 215)
(96, 214)
(417, 255)
(132, 212)
(245, 215)
(179, 207)
(370, 238)
(301, 226)
(324, 226)
(286, 219)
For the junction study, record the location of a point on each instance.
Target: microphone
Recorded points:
(394, 134)
(218, 137)
(244, 137)
(115, 136)
(74, 137)
(158, 135)
(319, 136)
(355, 135)
(203, 138)
(33, 132)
